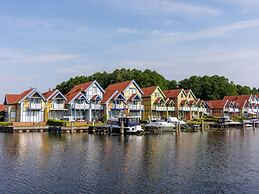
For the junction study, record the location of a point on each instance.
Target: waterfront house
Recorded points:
(2, 112)
(248, 104)
(156, 105)
(25, 107)
(84, 101)
(132, 94)
(220, 108)
(55, 104)
(114, 104)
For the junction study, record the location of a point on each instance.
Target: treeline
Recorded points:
(205, 87)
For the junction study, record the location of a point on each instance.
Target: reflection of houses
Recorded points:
(156, 105)
(84, 101)
(114, 104)
(132, 94)
(25, 107)
(55, 104)
(187, 106)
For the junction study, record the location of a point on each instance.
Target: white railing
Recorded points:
(96, 106)
(185, 108)
(170, 108)
(194, 108)
(58, 106)
(136, 107)
(81, 106)
(118, 106)
(160, 108)
(236, 110)
(35, 106)
(231, 110)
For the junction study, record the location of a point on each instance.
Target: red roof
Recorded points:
(48, 93)
(132, 97)
(158, 100)
(183, 102)
(2, 108)
(216, 104)
(81, 87)
(169, 101)
(172, 93)
(107, 95)
(15, 98)
(240, 100)
(119, 86)
(148, 91)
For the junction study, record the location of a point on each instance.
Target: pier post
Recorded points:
(254, 125)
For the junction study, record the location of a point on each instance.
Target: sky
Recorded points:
(43, 43)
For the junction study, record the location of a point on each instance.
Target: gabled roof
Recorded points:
(240, 100)
(85, 86)
(95, 97)
(52, 94)
(122, 86)
(191, 92)
(111, 95)
(2, 108)
(133, 96)
(158, 100)
(18, 98)
(216, 104)
(169, 101)
(173, 93)
(74, 95)
(150, 90)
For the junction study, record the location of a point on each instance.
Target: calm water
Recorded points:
(213, 162)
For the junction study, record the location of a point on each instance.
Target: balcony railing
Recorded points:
(81, 106)
(194, 108)
(58, 106)
(118, 106)
(170, 108)
(35, 106)
(184, 109)
(136, 107)
(160, 108)
(96, 106)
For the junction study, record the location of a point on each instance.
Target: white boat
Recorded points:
(160, 124)
(175, 120)
(130, 124)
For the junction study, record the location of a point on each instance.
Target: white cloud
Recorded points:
(128, 30)
(160, 7)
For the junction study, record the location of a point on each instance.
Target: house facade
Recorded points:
(2, 112)
(156, 105)
(131, 93)
(25, 107)
(84, 101)
(55, 105)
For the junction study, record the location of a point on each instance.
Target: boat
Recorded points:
(131, 124)
(175, 120)
(160, 124)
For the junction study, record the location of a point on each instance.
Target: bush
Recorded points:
(53, 122)
(5, 124)
(239, 118)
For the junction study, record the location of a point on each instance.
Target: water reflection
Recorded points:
(210, 162)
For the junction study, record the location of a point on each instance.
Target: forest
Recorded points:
(204, 87)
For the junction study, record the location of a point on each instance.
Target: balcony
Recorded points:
(58, 106)
(35, 106)
(194, 108)
(96, 106)
(184, 109)
(81, 106)
(118, 107)
(136, 107)
(159, 108)
(170, 108)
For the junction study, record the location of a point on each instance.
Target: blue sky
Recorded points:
(46, 42)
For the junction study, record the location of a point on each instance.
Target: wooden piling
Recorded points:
(122, 127)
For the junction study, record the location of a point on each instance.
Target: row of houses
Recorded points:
(232, 106)
(90, 102)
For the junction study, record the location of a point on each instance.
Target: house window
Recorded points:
(94, 89)
(181, 95)
(133, 90)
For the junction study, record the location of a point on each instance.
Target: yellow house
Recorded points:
(132, 95)
(156, 105)
(55, 104)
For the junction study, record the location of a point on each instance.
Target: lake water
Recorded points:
(212, 162)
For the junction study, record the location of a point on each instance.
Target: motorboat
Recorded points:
(160, 124)
(175, 120)
(131, 124)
